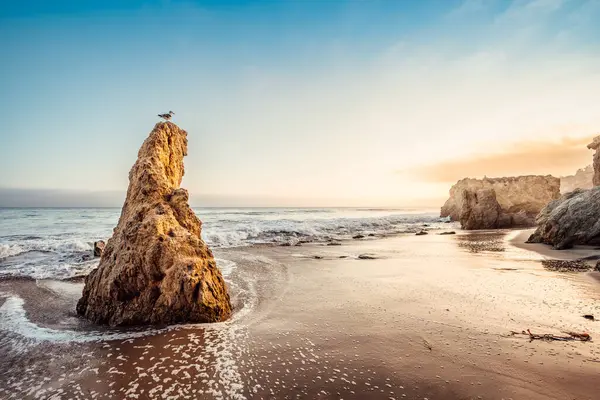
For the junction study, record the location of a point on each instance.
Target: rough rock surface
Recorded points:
(492, 203)
(480, 209)
(155, 268)
(572, 219)
(596, 163)
(583, 179)
(99, 248)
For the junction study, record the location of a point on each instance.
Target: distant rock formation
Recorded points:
(155, 268)
(492, 203)
(594, 146)
(480, 209)
(572, 219)
(582, 179)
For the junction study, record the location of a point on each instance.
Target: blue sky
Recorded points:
(295, 102)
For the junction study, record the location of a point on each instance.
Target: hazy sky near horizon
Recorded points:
(309, 102)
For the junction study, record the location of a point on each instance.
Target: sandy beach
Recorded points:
(429, 317)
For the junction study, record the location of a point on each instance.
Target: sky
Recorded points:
(295, 103)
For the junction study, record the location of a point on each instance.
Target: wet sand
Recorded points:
(429, 317)
(520, 238)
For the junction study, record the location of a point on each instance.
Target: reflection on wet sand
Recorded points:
(477, 242)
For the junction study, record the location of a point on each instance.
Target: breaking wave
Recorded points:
(57, 243)
(248, 232)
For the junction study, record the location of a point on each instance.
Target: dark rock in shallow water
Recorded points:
(156, 269)
(447, 233)
(99, 248)
(570, 220)
(358, 236)
(367, 257)
(421, 233)
(566, 265)
(334, 244)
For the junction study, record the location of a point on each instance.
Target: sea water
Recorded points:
(57, 243)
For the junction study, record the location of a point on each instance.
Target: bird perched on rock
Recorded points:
(167, 116)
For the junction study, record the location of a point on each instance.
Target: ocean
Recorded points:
(56, 243)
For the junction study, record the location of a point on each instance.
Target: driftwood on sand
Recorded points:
(566, 337)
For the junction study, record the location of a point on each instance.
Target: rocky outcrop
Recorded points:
(492, 203)
(99, 248)
(573, 219)
(582, 179)
(155, 268)
(480, 209)
(596, 163)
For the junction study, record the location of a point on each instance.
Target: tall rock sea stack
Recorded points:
(156, 269)
(492, 203)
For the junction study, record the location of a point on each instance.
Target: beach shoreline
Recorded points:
(427, 316)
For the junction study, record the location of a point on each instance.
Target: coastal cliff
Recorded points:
(156, 269)
(582, 179)
(575, 217)
(492, 203)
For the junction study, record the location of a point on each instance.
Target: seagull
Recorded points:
(167, 116)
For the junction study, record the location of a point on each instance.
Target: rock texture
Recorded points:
(583, 179)
(492, 203)
(596, 163)
(572, 219)
(155, 268)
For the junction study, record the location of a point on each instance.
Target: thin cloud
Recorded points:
(525, 158)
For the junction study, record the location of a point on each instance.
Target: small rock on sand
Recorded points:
(421, 233)
(358, 236)
(447, 233)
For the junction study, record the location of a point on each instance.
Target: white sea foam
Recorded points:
(7, 250)
(14, 320)
(225, 266)
(248, 231)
